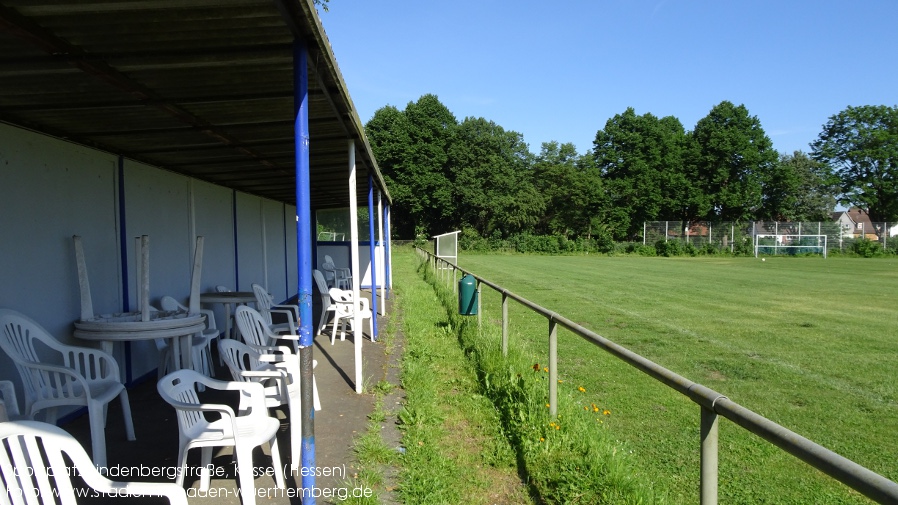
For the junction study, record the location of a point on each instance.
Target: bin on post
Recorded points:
(467, 296)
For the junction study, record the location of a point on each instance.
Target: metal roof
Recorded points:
(199, 87)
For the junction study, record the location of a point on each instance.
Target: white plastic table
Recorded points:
(228, 298)
(128, 327)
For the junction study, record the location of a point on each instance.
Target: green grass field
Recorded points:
(806, 342)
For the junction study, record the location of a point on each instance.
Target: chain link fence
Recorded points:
(730, 236)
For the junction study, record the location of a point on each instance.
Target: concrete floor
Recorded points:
(344, 414)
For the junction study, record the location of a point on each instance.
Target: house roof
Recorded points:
(199, 87)
(857, 216)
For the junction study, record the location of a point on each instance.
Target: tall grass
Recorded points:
(571, 458)
(806, 342)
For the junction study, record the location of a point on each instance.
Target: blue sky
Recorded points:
(560, 70)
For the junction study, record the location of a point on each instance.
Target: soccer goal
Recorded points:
(775, 244)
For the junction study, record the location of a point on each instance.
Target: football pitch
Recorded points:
(809, 343)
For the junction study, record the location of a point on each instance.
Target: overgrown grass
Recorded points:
(454, 452)
(806, 342)
(570, 458)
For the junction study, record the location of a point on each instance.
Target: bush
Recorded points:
(866, 248)
(668, 248)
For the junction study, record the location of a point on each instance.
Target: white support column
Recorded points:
(354, 259)
(390, 248)
(380, 240)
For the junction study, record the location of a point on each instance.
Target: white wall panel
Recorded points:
(275, 266)
(250, 256)
(52, 190)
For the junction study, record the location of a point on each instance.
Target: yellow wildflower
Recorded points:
(606, 412)
(581, 389)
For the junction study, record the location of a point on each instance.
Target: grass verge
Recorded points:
(571, 458)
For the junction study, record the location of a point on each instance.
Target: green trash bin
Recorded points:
(467, 296)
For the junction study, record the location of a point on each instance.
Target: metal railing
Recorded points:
(712, 404)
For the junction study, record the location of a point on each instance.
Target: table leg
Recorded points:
(227, 307)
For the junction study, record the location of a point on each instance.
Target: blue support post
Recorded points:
(304, 265)
(373, 242)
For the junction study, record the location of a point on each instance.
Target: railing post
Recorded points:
(553, 367)
(504, 323)
(708, 457)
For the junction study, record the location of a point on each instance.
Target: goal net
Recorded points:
(774, 244)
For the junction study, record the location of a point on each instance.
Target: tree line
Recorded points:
(445, 174)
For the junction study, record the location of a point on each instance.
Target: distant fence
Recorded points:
(711, 403)
(728, 235)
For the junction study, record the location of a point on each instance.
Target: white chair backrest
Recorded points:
(320, 282)
(253, 327)
(182, 388)
(239, 357)
(9, 404)
(42, 450)
(18, 333)
(340, 295)
(223, 289)
(169, 303)
(263, 299)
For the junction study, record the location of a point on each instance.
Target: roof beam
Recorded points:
(36, 35)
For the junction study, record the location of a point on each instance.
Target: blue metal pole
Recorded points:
(304, 265)
(373, 242)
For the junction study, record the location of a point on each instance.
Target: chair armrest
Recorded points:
(210, 319)
(175, 494)
(254, 394)
(292, 321)
(264, 374)
(289, 336)
(293, 308)
(62, 380)
(269, 350)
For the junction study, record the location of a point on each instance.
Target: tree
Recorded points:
(641, 160)
(412, 151)
(799, 189)
(734, 156)
(572, 189)
(861, 146)
(492, 180)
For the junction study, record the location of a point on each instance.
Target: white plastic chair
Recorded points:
(253, 427)
(36, 471)
(342, 277)
(327, 305)
(267, 307)
(9, 404)
(87, 377)
(345, 311)
(202, 342)
(280, 378)
(258, 335)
